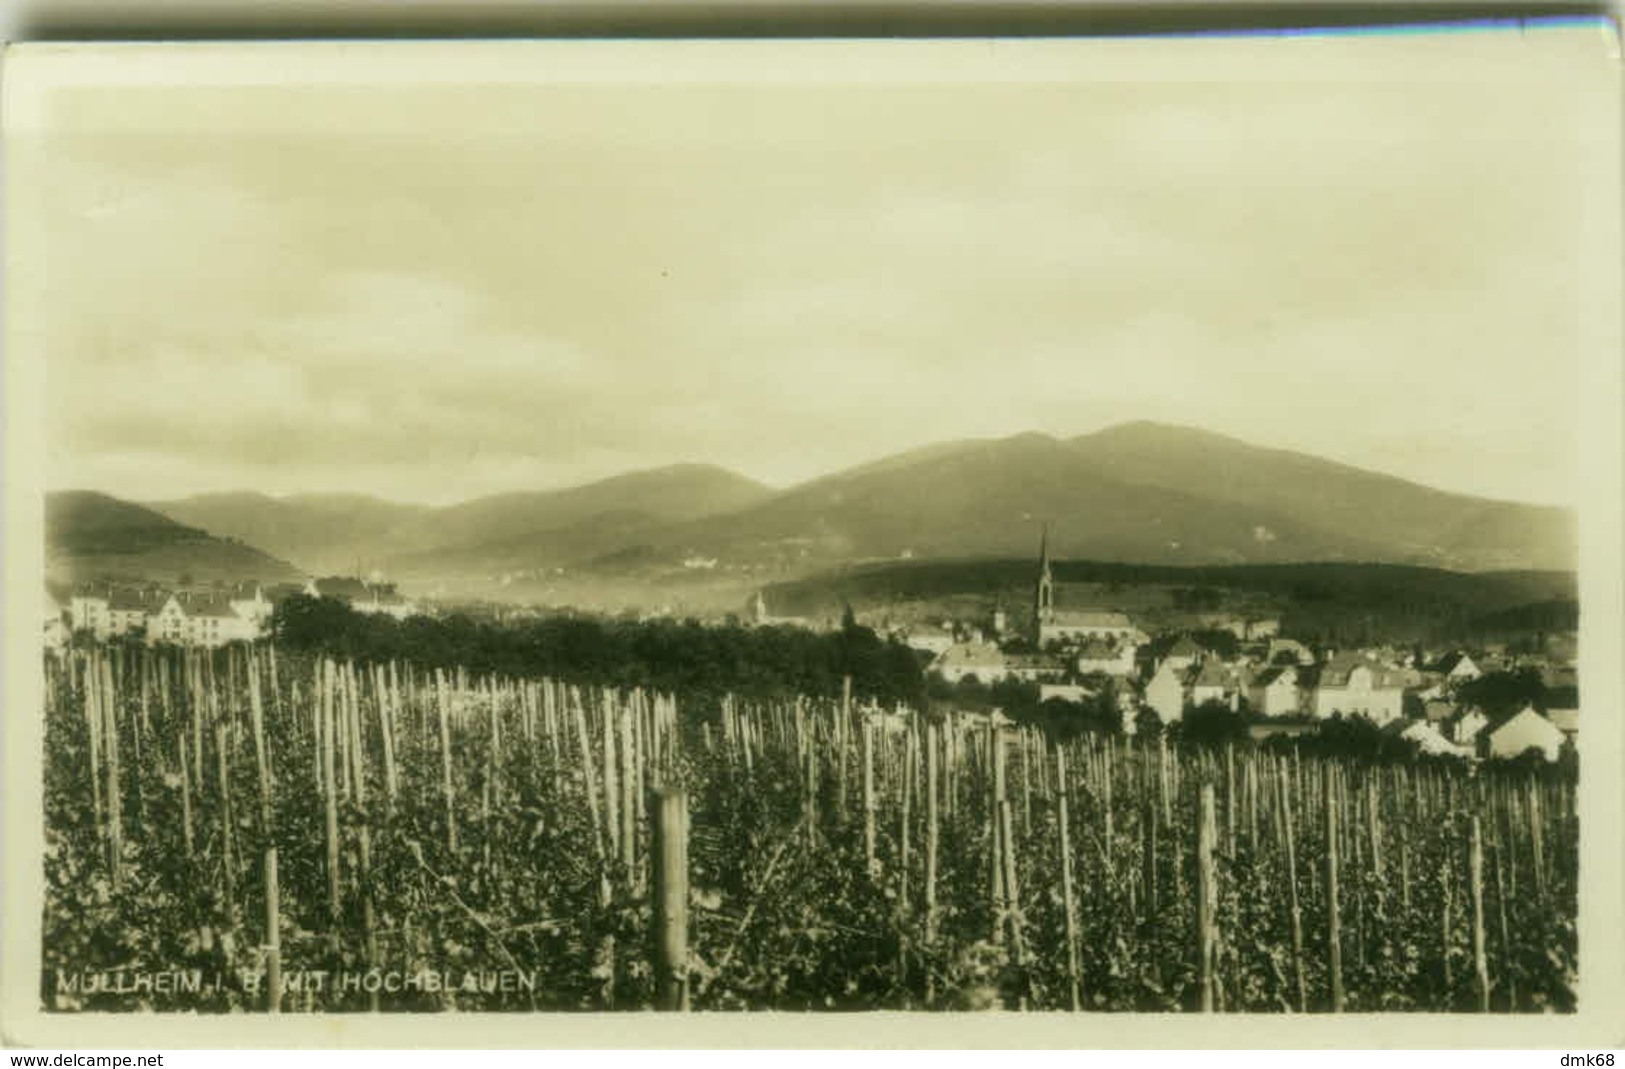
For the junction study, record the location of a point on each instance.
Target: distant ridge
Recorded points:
(335, 532)
(1135, 492)
(91, 535)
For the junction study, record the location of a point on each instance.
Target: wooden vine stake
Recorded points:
(843, 728)
(262, 762)
(329, 789)
(1207, 900)
(1475, 872)
(1294, 908)
(867, 735)
(186, 795)
(670, 836)
(93, 730)
(273, 934)
(115, 794)
(930, 832)
(591, 786)
(443, 700)
(1334, 930)
(1068, 894)
(228, 868)
(998, 889)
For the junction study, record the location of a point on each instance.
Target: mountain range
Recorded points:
(1141, 492)
(95, 536)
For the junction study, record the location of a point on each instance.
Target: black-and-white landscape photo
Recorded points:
(813, 526)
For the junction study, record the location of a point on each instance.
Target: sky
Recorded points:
(435, 286)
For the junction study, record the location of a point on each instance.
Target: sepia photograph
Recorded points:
(1041, 526)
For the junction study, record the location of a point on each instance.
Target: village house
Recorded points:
(202, 620)
(1184, 653)
(1522, 731)
(1245, 628)
(1106, 656)
(1067, 692)
(252, 604)
(1167, 693)
(1466, 725)
(1034, 668)
(1456, 667)
(1288, 651)
(1214, 683)
(1437, 710)
(1274, 692)
(1354, 685)
(927, 639)
(127, 611)
(1428, 739)
(112, 611)
(959, 662)
(88, 611)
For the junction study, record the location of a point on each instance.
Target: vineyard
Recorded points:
(249, 830)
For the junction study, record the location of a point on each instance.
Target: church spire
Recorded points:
(1044, 596)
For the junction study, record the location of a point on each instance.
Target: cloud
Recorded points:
(575, 281)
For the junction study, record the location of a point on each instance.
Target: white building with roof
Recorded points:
(962, 660)
(1355, 685)
(1522, 731)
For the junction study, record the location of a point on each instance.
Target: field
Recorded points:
(252, 830)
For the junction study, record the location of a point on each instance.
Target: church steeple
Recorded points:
(1044, 596)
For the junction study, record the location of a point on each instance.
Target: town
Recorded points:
(1490, 701)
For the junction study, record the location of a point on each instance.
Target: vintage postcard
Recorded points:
(578, 543)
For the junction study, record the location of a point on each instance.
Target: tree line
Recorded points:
(681, 656)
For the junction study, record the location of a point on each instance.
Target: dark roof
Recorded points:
(1092, 618)
(971, 654)
(335, 587)
(125, 599)
(1438, 709)
(211, 606)
(1336, 672)
(1270, 675)
(1185, 647)
(1099, 649)
(1447, 664)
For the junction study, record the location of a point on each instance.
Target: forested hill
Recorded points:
(1330, 601)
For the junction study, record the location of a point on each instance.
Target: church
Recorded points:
(1052, 626)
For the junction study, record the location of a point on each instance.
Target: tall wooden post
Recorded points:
(1068, 895)
(670, 839)
(448, 798)
(1207, 900)
(843, 731)
(930, 832)
(1334, 930)
(1475, 872)
(867, 733)
(329, 787)
(1295, 911)
(273, 934)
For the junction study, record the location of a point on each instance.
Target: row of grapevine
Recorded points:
(309, 833)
